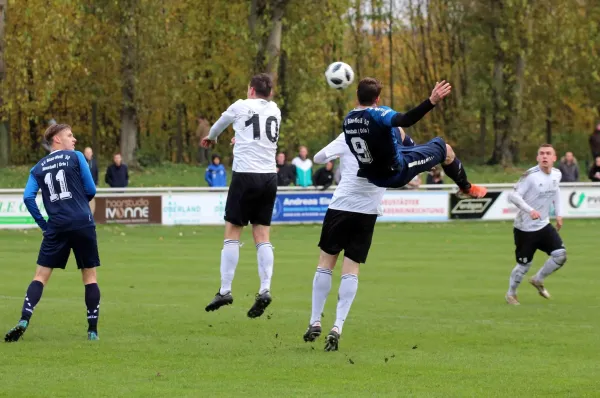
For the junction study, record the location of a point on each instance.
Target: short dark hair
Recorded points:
(368, 91)
(262, 84)
(53, 130)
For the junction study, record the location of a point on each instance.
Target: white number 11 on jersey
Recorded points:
(64, 189)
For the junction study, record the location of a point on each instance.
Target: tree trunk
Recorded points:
(498, 121)
(128, 58)
(4, 132)
(482, 132)
(548, 124)
(95, 127)
(274, 42)
(179, 133)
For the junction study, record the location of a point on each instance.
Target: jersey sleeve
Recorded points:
(86, 176)
(31, 190)
(516, 197)
(383, 115)
(225, 120)
(332, 151)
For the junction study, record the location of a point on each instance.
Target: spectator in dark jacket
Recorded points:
(89, 156)
(117, 174)
(595, 171)
(434, 176)
(286, 173)
(595, 142)
(569, 168)
(216, 176)
(324, 176)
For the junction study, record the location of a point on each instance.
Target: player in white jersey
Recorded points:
(253, 188)
(348, 225)
(534, 194)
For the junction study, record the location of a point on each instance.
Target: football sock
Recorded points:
(32, 297)
(346, 294)
(229, 259)
(321, 288)
(549, 267)
(92, 302)
(457, 173)
(516, 276)
(264, 256)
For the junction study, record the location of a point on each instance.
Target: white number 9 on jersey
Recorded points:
(360, 149)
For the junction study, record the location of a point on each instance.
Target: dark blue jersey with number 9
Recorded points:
(67, 186)
(373, 141)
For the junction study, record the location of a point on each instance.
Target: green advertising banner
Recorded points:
(14, 214)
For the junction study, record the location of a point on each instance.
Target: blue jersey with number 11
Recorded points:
(67, 186)
(373, 141)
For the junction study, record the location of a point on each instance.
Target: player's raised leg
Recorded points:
(346, 295)
(230, 255)
(32, 298)
(454, 169)
(551, 242)
(320, 291)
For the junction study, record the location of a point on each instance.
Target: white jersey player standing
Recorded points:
(348, 225)
(253, 188)
(535, 193)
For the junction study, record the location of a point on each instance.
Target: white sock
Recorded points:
(229, 260)
(516, 276)
(264, 256)
(347, 292)
(321, 288)
(549, 267)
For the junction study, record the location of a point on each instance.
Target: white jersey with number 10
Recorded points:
(256, 124)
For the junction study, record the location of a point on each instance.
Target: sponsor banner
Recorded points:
(580, 202)
(472, 208)
(138, 209)
(414, 206)
(501, 209)
(194, 208)
(14, 213)
(301, 207)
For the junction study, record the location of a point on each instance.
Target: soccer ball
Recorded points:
(339, 75)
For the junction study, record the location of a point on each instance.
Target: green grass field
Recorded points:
(183, 175)
(429, 318)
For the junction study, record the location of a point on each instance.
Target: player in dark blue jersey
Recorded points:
(67, 186)
(371, 135)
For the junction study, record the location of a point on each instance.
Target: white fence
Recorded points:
(206, 206)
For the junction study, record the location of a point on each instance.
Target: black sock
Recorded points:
(457, 173)
(32, 297)
(92, 302)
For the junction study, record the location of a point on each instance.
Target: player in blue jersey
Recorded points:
(383, 160)
(67, 186)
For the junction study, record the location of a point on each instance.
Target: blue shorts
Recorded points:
(414, 160)
(56, 248)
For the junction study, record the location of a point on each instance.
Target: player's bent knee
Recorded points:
(449, 155)
(559, 256)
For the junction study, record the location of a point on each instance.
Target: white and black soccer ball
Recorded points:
(339, 75)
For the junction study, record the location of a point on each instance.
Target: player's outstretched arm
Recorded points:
(29, 195)
(86, 176)
(440, 91)
(332, 151)
(558, 210)
(220, 125)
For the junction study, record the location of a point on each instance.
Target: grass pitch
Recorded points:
(429, 318)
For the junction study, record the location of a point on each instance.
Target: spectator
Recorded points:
(201, 132)
(569, 168)
(595, 142)
(216, 176)
(89, 156)
(415, 183)
(435, 176)
(286, 173)
(117, 174)
(595, 171)
(303, 168)
(324, 176)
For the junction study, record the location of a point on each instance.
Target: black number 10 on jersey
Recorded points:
(272, 132)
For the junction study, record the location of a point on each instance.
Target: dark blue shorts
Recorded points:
(414, 160)
(56, 248)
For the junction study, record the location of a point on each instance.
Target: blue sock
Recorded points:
(32, 297)
(92, 302)
(457, 173)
